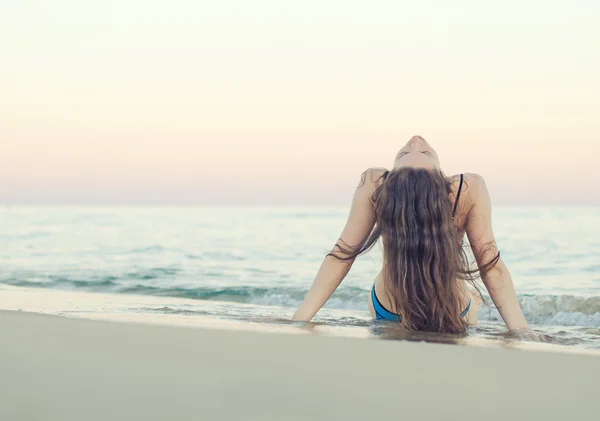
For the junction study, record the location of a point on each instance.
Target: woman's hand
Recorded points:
(333, 270)
(529, 334)
(497, 280)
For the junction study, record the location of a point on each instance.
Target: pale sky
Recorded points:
(281, 102)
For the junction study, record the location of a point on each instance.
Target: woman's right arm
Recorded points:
(333, 270)
(497, 280)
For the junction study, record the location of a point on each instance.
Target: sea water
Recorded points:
(255, 264)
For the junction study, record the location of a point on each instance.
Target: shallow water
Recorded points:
(256, 264)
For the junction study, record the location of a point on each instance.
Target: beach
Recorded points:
(149, 313)
(57, 368)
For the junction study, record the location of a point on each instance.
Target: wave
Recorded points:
(217, 256)
(133, 283)
(563, 310)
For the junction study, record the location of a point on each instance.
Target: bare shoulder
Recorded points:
(471, 182)
(372, 177)
(370, 180)
(477, 201)
(475, 186)
(473, 196)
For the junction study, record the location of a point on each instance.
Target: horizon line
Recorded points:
(258, 205)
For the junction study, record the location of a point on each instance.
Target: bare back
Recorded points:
(460, 191)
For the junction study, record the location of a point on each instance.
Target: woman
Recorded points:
(421, 217)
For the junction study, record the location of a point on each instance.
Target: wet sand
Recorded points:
(56, 368)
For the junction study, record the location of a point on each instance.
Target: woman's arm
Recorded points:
(358, 227)
(497, 280)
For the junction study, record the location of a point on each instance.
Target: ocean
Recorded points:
(253, 265)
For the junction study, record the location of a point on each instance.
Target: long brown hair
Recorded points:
(423, 259)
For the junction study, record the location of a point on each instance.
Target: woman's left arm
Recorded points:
(498, 279)
(359, 225)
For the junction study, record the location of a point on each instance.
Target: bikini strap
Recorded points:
(458, 195)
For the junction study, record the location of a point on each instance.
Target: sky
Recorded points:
(278, 102)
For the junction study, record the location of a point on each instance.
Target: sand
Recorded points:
(55, 368)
